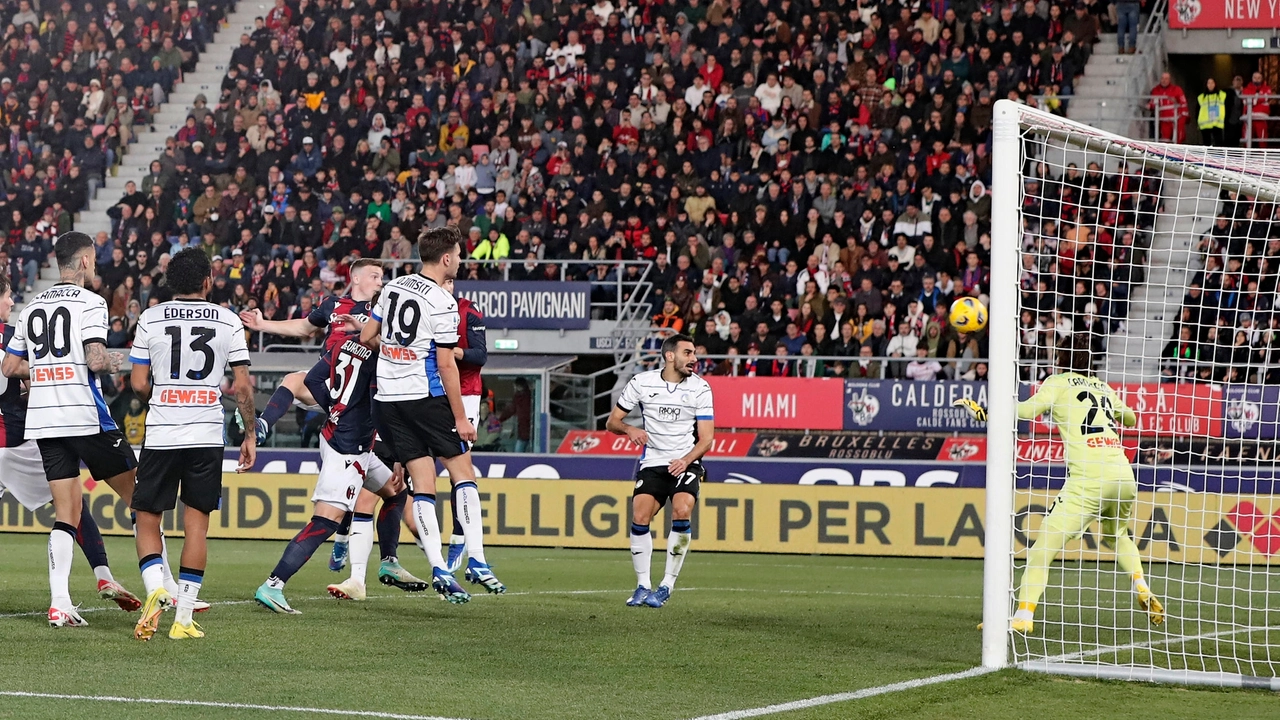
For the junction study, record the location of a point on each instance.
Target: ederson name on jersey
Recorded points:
(189, 345)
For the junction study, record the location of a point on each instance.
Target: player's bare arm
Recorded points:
(371, 333)
(618, 425)
(140, 380)
(99, 360)
(244, 405)
(15, 367)
(706, 437)
(298, 327)
(453, 390)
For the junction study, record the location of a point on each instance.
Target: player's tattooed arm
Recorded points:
(15, 367)
(99, 360)
(243, 389)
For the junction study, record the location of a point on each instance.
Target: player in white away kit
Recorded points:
(679, 426)
(22, 471)
(60, 344)
(420, 401)
(180, 354)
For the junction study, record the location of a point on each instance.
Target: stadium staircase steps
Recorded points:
(1134, 355)
(1111, 90)
(169, 118)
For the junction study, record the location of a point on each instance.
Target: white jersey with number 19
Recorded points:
(418, 318)
(189, 345)
(66, 399)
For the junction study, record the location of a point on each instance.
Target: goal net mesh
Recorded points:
(1166, 258)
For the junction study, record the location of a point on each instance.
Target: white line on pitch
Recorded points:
(1175, 640)
(846, 697)
(222, 705)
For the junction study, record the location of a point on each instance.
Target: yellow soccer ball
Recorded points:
(968, 315)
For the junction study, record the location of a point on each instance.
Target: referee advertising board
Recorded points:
(824, 519)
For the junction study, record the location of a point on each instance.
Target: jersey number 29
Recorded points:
(1088, 427)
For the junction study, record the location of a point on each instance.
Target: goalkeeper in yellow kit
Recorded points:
(1100, 483)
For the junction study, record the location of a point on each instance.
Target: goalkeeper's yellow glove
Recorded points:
(976, 411)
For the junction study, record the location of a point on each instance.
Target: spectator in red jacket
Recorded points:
(1170, 106)
(1257, 106)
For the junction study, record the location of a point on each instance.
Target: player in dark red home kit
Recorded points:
(342, 384)
(366, 281)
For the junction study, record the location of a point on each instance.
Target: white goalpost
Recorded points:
(1167, 259)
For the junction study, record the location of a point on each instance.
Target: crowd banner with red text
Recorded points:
(600, 442)
(1162, 409)
(1224, 15)
(778, 403)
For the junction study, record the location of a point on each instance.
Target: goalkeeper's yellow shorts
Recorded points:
(1082, 502)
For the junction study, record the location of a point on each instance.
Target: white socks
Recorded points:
(677, 550)
(62, 541)
(152, 574)
(641, 553)
(424, 513)
(468, 498)
(361, 546)
(189, 583)
(102, 572)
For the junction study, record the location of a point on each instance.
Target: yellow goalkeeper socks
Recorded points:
(1139, 584)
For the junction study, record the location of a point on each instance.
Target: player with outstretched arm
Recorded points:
(366, 281)
(1100, 483)
(342, 383)
(679, 428)
(180, 355)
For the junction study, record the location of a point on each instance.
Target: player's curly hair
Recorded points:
(187, 272)
(1075, 354)
(435, 243)
(4, 283)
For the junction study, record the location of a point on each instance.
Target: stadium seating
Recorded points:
(836, 163)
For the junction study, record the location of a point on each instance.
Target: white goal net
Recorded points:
(1158, 265)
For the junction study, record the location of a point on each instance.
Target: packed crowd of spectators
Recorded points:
(76, 81)
(1226, 330)
(804, 178)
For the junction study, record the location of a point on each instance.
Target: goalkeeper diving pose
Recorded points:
(1100, 483)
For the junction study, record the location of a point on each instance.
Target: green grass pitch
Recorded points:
(743, 631)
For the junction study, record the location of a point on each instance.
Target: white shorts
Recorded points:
(471, 406)
(342, 476)
(313, 407)
(22, 473)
